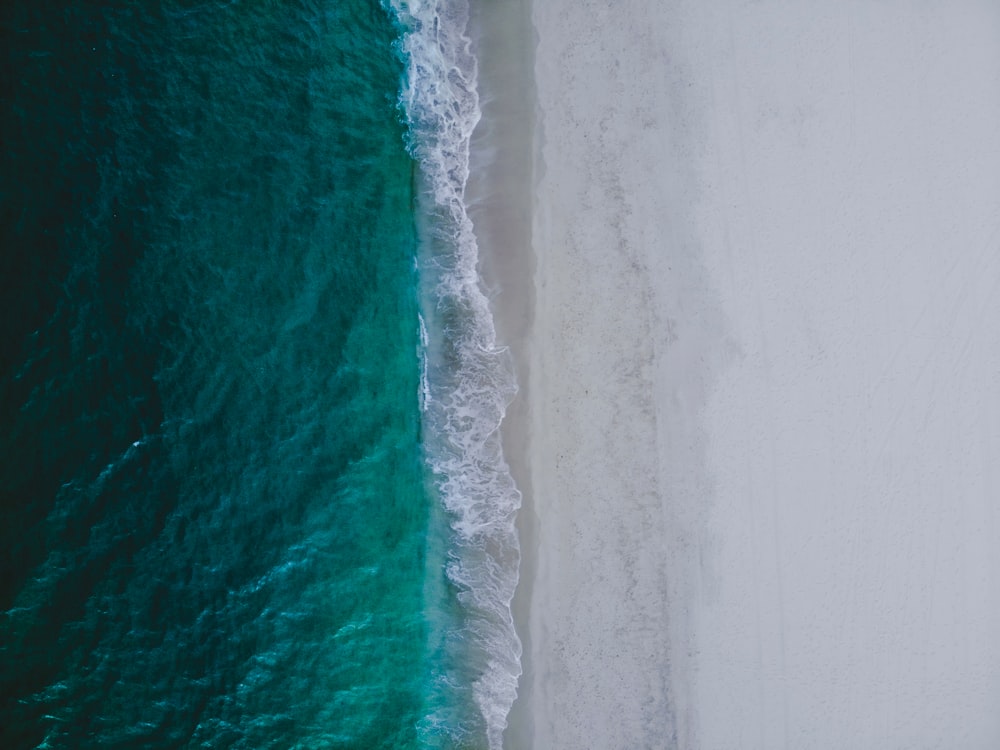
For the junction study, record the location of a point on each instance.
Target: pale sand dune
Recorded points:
(763, 377)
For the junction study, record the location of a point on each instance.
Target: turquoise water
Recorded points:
(251, 488)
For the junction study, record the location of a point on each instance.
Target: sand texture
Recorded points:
(760, 416)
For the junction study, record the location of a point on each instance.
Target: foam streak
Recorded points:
(470, 379)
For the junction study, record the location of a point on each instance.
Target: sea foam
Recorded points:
(469, 379)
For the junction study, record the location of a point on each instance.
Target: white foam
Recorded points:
(468, 380)
(425, 390)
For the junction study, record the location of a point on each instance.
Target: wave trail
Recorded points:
(469, 379)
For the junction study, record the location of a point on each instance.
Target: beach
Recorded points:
(759, 374)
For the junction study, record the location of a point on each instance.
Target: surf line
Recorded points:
(469, 380)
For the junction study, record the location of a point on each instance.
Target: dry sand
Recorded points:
(759, 427)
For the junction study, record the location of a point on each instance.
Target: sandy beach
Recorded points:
(759, 359)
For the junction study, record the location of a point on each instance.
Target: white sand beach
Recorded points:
(759, 426)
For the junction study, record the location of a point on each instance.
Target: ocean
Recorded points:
(252, 487)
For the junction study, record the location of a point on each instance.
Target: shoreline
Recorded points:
(500, 206)
(530, 301)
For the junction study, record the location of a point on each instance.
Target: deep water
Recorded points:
(214, 499)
